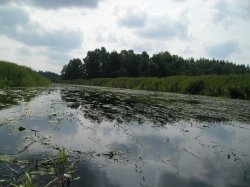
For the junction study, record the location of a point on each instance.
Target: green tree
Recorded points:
(100, 63)
(113, 67)
(95, 63)
(92, 64)
(73, 70)
(143, 64)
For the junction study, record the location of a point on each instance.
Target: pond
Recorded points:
(89, 136)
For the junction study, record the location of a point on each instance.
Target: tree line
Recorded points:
(100, 63)
(54, 77)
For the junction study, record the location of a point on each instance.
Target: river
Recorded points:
(117, 137)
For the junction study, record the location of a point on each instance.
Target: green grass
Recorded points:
(13, 75)
(230, 86)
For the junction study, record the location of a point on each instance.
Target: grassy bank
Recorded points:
(231, 86)
(13, 75)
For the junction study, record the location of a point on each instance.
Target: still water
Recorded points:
(117, 137)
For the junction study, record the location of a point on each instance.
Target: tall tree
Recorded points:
(114, 65)
(143, 64)
(73, 70)
(100, 63)
(92, 64)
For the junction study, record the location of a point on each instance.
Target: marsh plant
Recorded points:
(13, 75)
(27, 180)
(62, 169)
(58, 166)
(230, 86)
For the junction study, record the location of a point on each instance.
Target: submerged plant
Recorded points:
(27, 180)
(60, 165)
(57, 166)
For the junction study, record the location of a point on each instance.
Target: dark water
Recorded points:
(126, 138)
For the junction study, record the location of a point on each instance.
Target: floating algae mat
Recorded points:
(90, 136)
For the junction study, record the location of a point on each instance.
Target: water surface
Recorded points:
(126, 138)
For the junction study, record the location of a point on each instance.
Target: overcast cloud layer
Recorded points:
(54, 4)
(45, 34)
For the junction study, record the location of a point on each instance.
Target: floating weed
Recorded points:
(25, 182)
(59, 167)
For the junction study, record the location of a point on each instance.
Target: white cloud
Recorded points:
(228, 12)
(187, 50)
(55, 4)
(10, 18)
(133, 18)
(223, 49)
(37, 32)
(24, 51)
(179, 1)
(2, 2)
(163, 27)
(16, 25)
(106, 37)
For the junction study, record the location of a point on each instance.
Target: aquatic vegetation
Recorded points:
(27, 180)
(159, 108)
(10, 97)
(24, 181)
(60, 164)
(57, 166)
(230, 86)
(91, 136)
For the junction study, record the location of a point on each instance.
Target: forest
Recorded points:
(100, 63)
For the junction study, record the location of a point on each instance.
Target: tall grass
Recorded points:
(231, 86)
(13, 75)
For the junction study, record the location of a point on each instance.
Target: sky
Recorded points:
(46, 34)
